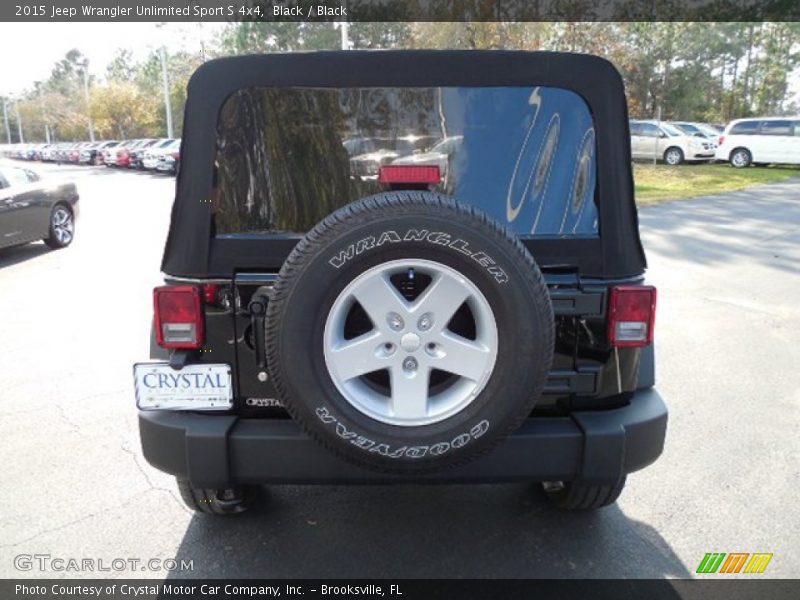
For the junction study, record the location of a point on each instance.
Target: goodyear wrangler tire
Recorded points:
(408, 333)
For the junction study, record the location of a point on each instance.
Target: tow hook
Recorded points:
(258, 309)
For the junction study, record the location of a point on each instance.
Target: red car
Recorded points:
(75, 152)
(123, 155)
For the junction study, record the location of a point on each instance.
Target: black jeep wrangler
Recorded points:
(403, 267)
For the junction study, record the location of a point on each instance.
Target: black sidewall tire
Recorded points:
(676, 162)
(578, 495)
(748, 158)
(523, 314)
(207, 501)
(51, 240)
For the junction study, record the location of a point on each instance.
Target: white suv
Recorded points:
(662, 141)
(761, 141)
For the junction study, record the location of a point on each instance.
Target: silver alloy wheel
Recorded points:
(673, 157)
(62, 224)
(409, 340)
(739, 159)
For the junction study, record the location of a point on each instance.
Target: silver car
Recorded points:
(656, 140)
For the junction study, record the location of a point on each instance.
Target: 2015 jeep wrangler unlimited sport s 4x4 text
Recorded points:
(403, 266)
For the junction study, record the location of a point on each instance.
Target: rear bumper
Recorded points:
(217, 451)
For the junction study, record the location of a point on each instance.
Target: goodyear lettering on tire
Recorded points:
(387, 450)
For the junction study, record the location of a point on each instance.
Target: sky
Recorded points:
(37, 46)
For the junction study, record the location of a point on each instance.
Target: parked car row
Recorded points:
(742, 143)
(152, 154)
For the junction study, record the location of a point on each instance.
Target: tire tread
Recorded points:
(206, 501)
(578, 495)
(361, 212)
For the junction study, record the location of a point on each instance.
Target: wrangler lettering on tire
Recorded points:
(434, 237)
(409, 333)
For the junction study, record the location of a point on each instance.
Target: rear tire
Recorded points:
(218, 502)
(576, 495)
(741, 158)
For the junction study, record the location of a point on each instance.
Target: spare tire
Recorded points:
(408, 333)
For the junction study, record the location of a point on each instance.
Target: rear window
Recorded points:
(744, 128)
(288, 157)
(708, 130)
(15, 176)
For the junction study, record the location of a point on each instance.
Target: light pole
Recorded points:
(19, 123)
(44, 113)
(85, 69)
(162, 53)
(344, 30)
(656, 139)
(5, 119)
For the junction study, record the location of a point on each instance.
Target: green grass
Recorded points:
(657, 183)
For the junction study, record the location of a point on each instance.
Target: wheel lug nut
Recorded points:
(395, 321)
(425, 322)
(410, 364)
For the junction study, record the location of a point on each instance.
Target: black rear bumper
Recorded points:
(217, 451)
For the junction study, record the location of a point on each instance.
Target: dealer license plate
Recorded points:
(194, 387)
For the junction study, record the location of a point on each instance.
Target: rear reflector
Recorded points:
(631, 315)
(178, 316)
(210, 292)
(721, 140)
(409, 174)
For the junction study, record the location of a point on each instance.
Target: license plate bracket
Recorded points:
(206, 387)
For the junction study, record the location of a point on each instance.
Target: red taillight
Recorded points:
(721, 140)
(631, 315)
(409, 174)
(175, 155)
(178, 316)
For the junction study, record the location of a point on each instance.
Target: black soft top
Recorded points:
(191, 251)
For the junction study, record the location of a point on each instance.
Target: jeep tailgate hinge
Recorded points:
(258, 309)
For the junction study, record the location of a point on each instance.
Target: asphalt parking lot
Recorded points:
(75, 485)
